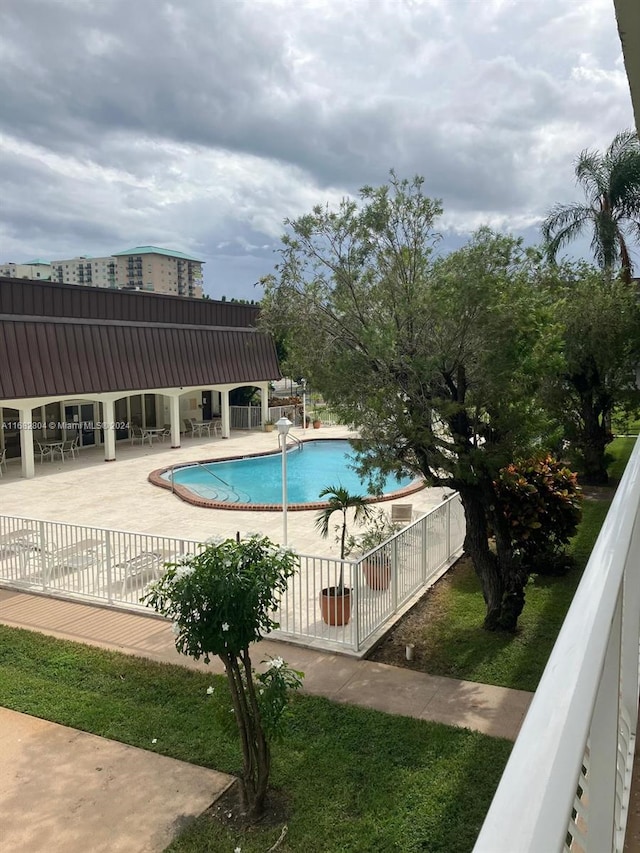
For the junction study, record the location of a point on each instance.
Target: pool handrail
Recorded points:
(232, 491)
(297, 444)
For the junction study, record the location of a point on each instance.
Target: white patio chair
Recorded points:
(71, 447)
(44, 451)
(137, 434)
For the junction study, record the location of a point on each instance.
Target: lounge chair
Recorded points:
(137, 572)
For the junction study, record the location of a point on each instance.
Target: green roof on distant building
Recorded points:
(36, 261)
(155, 250)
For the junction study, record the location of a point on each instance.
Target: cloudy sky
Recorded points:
(200, 125)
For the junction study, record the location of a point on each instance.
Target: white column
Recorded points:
(226, 415)
(264, 398)
(26, 443)
(174, 409)
(108, 430)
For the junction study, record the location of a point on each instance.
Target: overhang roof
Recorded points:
(106, 341)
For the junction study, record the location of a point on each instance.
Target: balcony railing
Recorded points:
(567, 784)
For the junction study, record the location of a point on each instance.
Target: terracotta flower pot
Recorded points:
(377, 572)
(317, 424)
(335, 608)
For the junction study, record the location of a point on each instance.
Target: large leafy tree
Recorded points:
(435, 361)
(611, 209)
(599, 319)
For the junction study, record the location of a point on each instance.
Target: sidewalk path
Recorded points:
(496, 711)
(65, 791)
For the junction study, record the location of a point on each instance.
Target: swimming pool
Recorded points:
(255, 482)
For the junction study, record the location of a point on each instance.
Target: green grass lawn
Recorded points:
(446, 626)
(353, 779)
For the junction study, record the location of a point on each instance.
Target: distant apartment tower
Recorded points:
(143, 268)
(94, 272)
(160, 270)
(33, 270)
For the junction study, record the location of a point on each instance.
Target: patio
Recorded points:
(88, 491)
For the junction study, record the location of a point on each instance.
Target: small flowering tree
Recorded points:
(222, 600)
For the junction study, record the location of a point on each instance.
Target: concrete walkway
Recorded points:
(495, 711)
(64, 791)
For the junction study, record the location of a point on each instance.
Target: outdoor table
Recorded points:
(56, 446)
(151, 433)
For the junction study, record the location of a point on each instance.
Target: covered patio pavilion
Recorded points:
(91, 364)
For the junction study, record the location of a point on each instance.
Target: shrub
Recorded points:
(541, 500)
(221, 600)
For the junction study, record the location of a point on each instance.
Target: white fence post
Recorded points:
(44, 561)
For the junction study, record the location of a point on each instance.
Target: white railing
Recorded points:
(250, 417)
(76, 561)
(566, 785)
(114, 567)
(379, 584)
(291, 412)
(245, 417)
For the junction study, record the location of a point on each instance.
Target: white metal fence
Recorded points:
(566, 786)
(245, 417)
(250, 417)
(379, 583)
(114, 567)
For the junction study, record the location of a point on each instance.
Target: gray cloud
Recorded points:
(193, 124)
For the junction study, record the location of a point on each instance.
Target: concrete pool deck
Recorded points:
(118, 495)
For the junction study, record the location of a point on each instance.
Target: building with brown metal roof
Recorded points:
(94, 364)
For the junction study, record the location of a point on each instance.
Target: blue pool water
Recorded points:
(259, 479)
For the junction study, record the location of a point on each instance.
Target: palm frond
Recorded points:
(592, 175)
(564, 224)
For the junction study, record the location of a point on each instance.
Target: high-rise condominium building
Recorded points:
(142, 268)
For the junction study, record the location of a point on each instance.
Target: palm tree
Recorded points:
(340, 500)
(611, 184)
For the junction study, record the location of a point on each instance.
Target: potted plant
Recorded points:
(317, 423)
(376, 568)
(268, 426)
(335, 601)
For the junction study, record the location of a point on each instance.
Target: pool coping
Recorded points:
(155, 477)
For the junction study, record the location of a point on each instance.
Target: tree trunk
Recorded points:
(501, 576)
(263, 752)
(595, 406)
(485, 563)
(514, 575)
(594, 466)
(255, 749)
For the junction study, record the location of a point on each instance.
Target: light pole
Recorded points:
(303, 382)
(284, 425)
